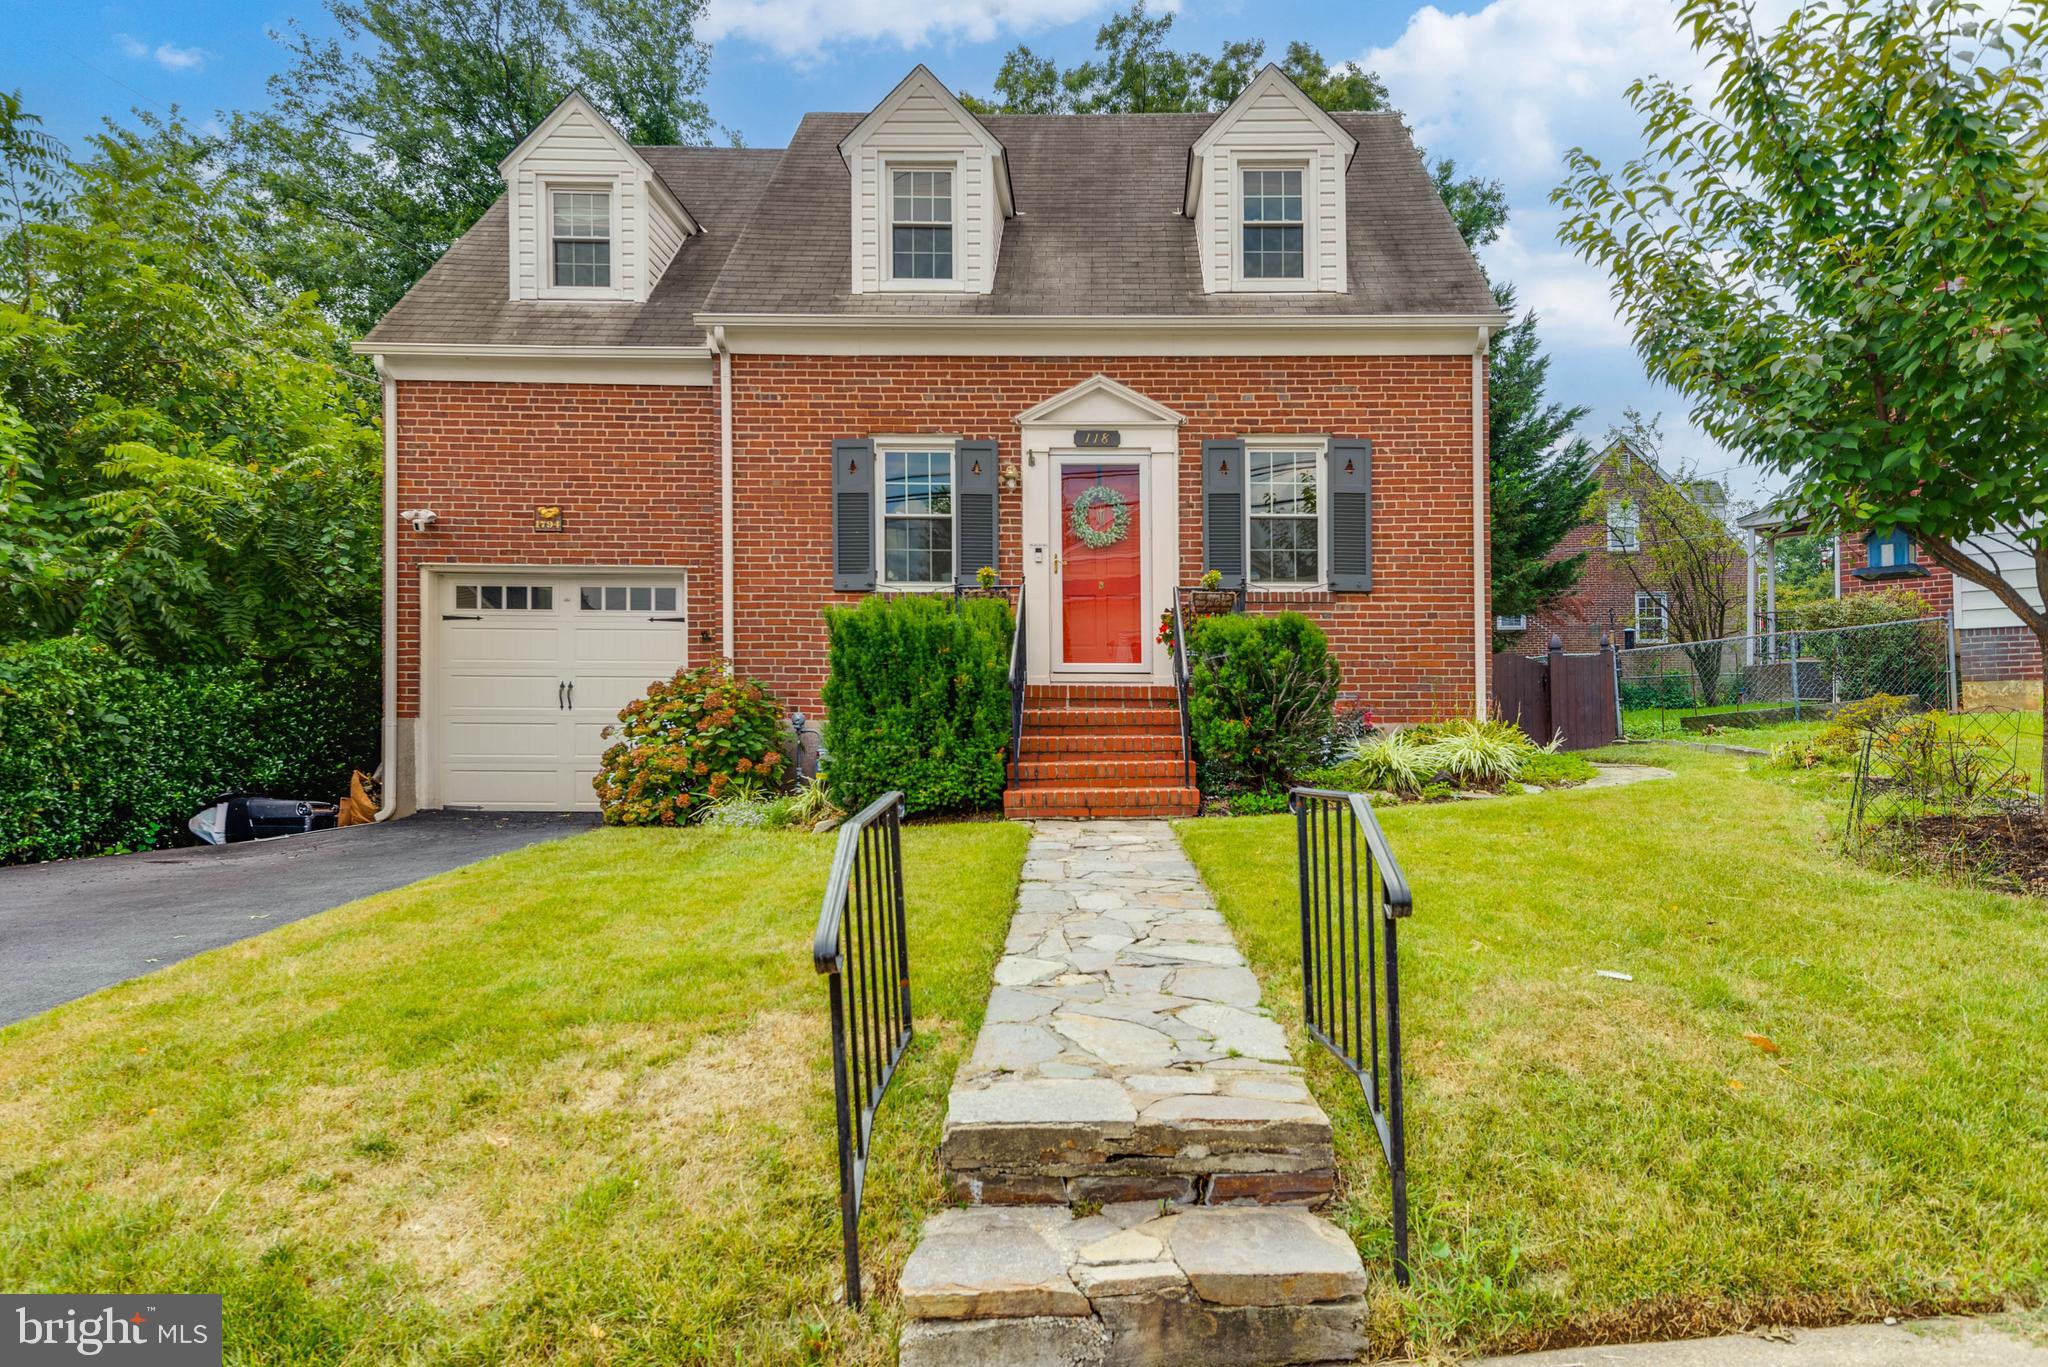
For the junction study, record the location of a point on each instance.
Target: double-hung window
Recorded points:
(1653, 619)
(1624, 526)
(581, 239)
(1282, 488)
(921, 225)
(1273, 223)
(917, 515)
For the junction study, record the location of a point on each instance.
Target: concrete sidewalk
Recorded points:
(1999, 1341)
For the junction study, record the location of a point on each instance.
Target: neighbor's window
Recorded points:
(1272, 225)
(1280, 488)
(917, 517)
(1624, 526)
(1653, 619)
(921, 225)
(1518, 621)
(582, 236)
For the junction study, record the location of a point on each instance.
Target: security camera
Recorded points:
(420, 518)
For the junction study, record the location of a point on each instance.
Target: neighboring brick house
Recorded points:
(664, 404)
(1998, 659)
(1607, 600)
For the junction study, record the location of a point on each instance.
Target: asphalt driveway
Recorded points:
(79, 925)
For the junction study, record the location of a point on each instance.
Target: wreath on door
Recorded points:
(1097, 534)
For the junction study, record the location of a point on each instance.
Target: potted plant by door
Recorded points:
(986, 585)
(1210, 599)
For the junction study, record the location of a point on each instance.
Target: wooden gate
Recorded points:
(1548, 694)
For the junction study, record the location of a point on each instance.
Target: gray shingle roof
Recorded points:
(462, 300)
(1099, 231)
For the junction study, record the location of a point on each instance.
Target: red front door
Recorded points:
(1101, 550)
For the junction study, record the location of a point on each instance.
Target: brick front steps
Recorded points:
(1100, 751)
(1136, 1149)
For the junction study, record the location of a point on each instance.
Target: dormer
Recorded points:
(931, 191)
(590, 220)
(1265, 189)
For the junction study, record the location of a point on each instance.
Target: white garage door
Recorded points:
(531, 667)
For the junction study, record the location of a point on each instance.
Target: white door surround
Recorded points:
(514, 697)
(1061, 461)
(1147, 435)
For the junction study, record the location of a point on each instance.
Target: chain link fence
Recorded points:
(1736, 683)
(1954, 793)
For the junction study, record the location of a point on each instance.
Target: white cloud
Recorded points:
(169, 56)
(802, 27)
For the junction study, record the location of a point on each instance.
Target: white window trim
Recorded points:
(885, 235)
(544, 237)
(884, 448)
(1311, 220)
(1511, 621)
(1615, 543)
(1663, 601)
(1319, 448)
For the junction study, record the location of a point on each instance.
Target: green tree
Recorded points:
(1840, 256)
(1542, 477)
(382, 146)
(185, 471)
(1135, 70)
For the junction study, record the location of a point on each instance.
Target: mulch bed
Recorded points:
(2007, 851)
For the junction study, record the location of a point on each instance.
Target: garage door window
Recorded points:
(505, 597)
(627, 598)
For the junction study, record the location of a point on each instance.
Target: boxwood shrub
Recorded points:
(918, 698)
(98, 755)
(1260, 693)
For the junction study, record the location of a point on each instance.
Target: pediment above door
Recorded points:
(1099, 402)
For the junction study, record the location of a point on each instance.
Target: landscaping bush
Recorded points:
(1433, 760)
(1657, 690)
(1898, 654)
(918, 698)
(686, 743)
(1259, 699)
(98, 756)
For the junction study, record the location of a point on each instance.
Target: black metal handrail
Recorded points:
(1019, 661)
(1180, 689)
(1344, 966)
(862, 950)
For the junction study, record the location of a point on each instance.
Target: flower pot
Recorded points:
(1212, 602)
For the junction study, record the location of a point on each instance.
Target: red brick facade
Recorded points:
(1935, 587)
(1984, 655)
(635, 471)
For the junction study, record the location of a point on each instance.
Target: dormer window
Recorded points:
(1273, 224)
(582, 239)
(921, 225)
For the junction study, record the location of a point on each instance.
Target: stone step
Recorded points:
(1131, 1286)
(1049, 802)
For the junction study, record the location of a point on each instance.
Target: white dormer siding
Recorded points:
(921, 127)
(1271, 126)
(576, 149)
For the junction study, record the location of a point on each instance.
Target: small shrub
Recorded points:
(1437, 792)
(1473, 757)
(1396, 762)
(685, 744)
(918, 698)
(1260, 697)
(1258, 804)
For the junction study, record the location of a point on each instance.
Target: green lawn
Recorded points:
(1594, 1160)
(569, 1105)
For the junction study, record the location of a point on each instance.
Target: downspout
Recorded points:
(1481, 637)
(724, 492)
(387, 765)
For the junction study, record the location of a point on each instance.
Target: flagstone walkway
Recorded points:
(1132, 1098)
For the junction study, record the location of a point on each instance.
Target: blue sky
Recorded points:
(1504, 86)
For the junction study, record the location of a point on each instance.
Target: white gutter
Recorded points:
(386, 765)
(1482, 638)
(716, 336)
(1039, 322)
(538, 351)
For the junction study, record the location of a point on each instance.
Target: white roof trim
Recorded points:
(921, 78)
(1099, 384)
(575, 101)
(1270, 78)
(1107, 322)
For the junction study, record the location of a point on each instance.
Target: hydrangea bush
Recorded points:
(683, 745)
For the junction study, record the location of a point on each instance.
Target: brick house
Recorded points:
(663, 404)
(1607, 600)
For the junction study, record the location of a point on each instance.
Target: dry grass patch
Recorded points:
(570, 1105)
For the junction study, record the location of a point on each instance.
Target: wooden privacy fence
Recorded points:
(1574, 694)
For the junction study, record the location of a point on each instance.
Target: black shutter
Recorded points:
(1223, 510)
(1350, 490)
(974, 509)
(853, 515)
